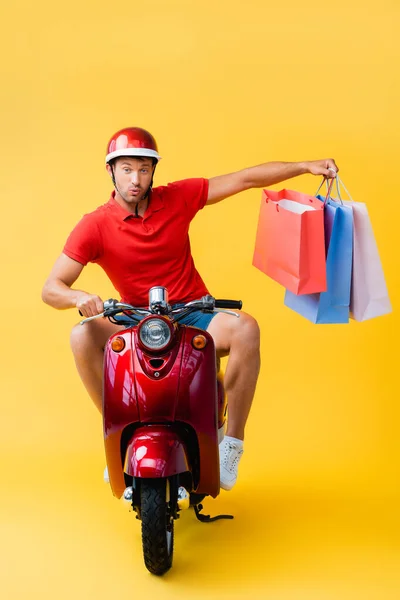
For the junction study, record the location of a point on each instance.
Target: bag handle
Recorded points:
(329, 189)
(339, 181)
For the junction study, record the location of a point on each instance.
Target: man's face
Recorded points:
(133, 177)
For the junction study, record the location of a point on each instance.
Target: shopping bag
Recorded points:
(331, 306)
(369, 294)
(290, 246)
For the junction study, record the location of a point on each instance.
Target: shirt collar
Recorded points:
(156, 203)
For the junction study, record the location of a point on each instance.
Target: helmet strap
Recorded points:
(151, 184)
(112, 175)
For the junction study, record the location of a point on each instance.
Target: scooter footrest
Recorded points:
(207, 518)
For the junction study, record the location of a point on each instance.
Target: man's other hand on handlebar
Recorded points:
(89, 305)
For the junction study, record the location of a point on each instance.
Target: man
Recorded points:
(140, 238)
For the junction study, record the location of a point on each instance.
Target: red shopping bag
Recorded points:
(290, 242)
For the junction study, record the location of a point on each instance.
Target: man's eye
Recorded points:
(126, 170)
(144, 170)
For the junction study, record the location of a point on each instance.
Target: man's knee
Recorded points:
(249, 329)
(78, 338)
(83, 338)
(92, 336)
(228, 332)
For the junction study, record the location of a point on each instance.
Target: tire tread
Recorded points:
(154, 514)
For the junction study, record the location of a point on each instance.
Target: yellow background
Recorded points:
(222, 85)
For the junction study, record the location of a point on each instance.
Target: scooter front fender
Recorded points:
(156, 451)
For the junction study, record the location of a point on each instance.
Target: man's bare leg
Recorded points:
(241, 339)
(87, 343)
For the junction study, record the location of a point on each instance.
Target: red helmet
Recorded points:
(132, 141)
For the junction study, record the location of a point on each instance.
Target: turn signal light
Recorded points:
(118, 344)
(199, 341)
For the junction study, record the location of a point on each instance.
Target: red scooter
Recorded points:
(164, 413)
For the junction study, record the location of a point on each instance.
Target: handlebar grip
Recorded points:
(235, 304)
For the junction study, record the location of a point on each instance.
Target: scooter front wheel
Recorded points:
(157, 525)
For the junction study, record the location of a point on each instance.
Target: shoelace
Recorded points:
(231, 456)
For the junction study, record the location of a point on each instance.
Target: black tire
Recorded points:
(157, 526)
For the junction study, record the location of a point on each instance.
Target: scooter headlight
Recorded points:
(155, 334)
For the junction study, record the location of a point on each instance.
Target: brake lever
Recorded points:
(91, 318)
(228, 312)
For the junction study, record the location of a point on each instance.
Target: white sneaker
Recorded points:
(230, 453)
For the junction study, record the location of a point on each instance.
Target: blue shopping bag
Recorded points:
(331, 306)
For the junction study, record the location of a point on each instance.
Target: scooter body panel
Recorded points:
(156, 451)
(183, 393)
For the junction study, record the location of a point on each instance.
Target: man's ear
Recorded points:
(109, 170)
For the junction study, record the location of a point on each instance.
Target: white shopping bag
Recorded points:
(369, 295)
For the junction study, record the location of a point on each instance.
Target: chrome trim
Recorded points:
(158, 299)
(183, 498)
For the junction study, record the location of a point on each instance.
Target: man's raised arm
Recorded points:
(264, 175)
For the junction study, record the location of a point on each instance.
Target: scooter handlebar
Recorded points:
(235, 304)
(111, 307)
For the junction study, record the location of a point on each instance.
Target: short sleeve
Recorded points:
(192, 192)
(84, 243)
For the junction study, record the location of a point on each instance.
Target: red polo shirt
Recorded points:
(138, 253)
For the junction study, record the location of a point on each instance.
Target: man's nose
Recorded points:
(135, 177)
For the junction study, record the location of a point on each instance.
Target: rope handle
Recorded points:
(339, 183)
(329, 189)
